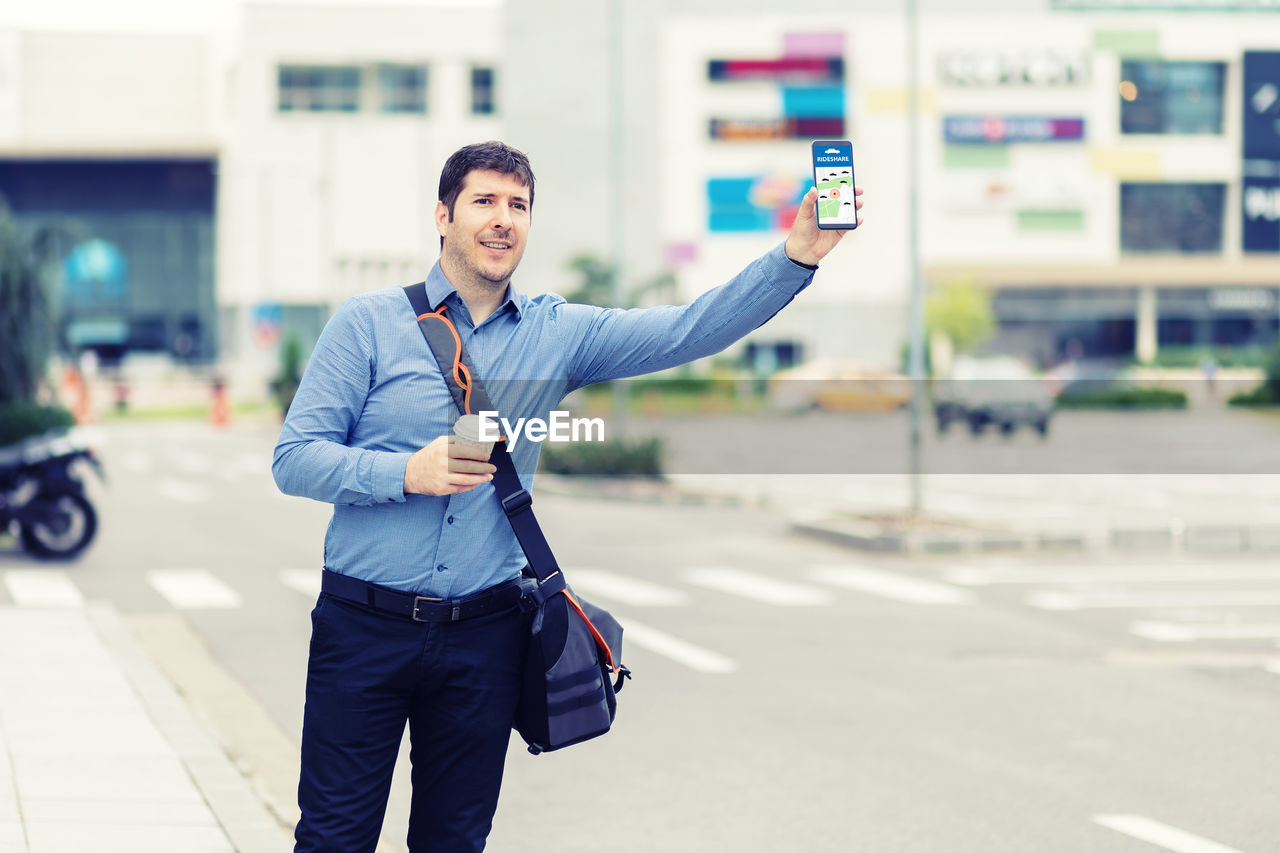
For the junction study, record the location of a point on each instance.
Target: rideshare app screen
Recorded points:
(833, 176)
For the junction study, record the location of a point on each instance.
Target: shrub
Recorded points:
(612, 458)
(20, 419)
(1260, 396)
(1124, 398)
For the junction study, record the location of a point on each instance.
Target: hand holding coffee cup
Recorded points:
(467, 441)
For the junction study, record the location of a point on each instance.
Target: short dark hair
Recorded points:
(492, 156)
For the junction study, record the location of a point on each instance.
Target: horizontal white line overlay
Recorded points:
(193, 589)
(38, 588)
(681, 651)
(1115, 574)
(305, 581)
(780, 591)
(182, 491)
(1155, 600)
(1176, 632)
(624, 589)
(891, 585)
(1159, 834)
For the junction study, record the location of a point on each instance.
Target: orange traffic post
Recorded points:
(221, 414)
(83, 408)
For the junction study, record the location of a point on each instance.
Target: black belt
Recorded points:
(421, 608)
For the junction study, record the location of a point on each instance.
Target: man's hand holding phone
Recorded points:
(447, 466)
(807, 243)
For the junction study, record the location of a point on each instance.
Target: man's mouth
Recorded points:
(496, 244)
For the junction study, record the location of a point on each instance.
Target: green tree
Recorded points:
(595, 283)
(27, 308)
(961, 310)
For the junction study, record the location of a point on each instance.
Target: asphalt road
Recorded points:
(789, 696)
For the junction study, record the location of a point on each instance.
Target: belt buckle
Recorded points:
(454, 615)
(417, 600)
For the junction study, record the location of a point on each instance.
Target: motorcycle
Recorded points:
(43, 496)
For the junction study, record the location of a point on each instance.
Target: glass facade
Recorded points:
(319, 88)
(402, 89)
(1171, 97)
(137, 266)
(482, 91)
(1163, 218)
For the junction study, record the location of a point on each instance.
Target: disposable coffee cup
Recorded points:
(467, 431)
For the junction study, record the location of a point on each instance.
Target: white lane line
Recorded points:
(305, 581)
(179, 490)
(1273, 667)
(891, 585)
(681, 651)
(1174, 632)
(36, 588)
(1159, 834)
(1127, 574)
(137, 462)
(780, 591)
(193, 589)
(1153, 600)
(191, 463)
(624, 589)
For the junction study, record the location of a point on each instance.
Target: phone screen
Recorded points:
(833, 176)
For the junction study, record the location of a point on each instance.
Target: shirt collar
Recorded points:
(439, 288)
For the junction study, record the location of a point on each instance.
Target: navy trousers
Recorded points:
(455, 683)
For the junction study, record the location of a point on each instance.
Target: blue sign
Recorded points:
(95, 272)
(1261, 222)
(1007, 130)
(1261, 105)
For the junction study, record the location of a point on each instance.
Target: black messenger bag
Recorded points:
(568, 690)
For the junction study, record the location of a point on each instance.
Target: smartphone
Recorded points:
(833, 176)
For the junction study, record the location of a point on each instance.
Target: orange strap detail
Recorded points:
(594, 633)
(460, 373)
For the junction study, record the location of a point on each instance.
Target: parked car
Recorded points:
(1002, 392)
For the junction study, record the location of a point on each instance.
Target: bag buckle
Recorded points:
(516, 502)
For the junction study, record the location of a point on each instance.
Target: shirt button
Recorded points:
(449, 519)
(442, 568)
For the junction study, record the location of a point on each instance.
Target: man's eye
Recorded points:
(518, 206)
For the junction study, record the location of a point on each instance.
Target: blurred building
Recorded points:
(1108, 169)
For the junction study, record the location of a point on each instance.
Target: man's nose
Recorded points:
(501, 216)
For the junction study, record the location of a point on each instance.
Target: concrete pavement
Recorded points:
(99, 752)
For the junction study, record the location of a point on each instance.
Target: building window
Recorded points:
(482, 92)
(1177, 218)
(402, 88)
(319, 88)
(1171, 97)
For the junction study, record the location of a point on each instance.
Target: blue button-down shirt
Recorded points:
(373, 395)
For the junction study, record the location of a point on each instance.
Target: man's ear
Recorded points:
(442, 218)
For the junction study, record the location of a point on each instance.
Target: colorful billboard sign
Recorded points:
(748, 203)
(810, 79)
(1008, 130)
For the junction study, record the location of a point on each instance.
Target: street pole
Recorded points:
(617, 163)
(915, 318)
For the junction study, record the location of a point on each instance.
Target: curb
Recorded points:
(1175, 536)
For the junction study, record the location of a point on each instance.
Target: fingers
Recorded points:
(459, 465)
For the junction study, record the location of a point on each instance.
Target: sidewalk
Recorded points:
(99, 752)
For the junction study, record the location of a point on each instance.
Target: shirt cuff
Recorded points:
(784, 274)
(388, 476)
(809, 267)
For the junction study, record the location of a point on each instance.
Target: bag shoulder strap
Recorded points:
(469, 396)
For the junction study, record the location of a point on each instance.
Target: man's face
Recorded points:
(484, 240)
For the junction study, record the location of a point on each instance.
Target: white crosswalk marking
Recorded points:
(1173, 632)
(1159, 834)
(305, 581)
(193, 589)
(783, 592)
(891, 585)
(624, 589)
(681, 651)
(36, 588)
(1050, 600)
(1115, 574)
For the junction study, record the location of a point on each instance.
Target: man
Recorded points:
(418, 620)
